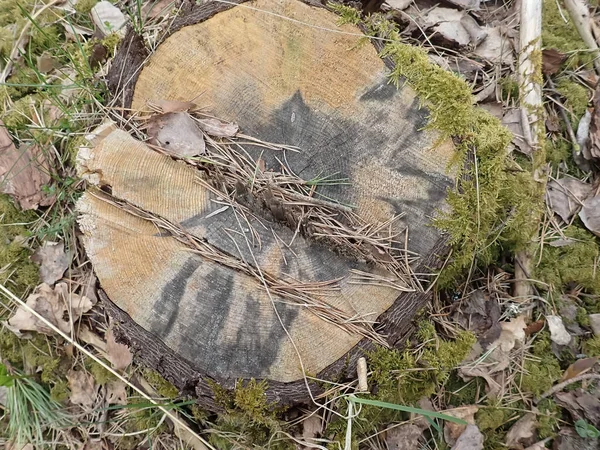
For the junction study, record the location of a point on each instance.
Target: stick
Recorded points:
(579, 12)
(531, 112)
(560, 386)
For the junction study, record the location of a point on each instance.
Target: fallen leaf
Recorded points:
(108, 18)
(53, 261)
(590, 214)
(594, 149)
(534, 327)
(404, 437)
(579, 367)
(82, 386)
(451, 34)
(453, 430)
(118, 354)
(89, 337)
(581, 404)
(522, 432)
(160, 8)
(541, 445)
(470, 439)
(116, 393)
(566, 195)
(177, 133)
(480, 314)
(171, 106)
(595, 323)
(495, 48)
(513, 333)
(217, 128)
(312, 427)
(396, 4)
(97, 56)
(552, 59)
(45, 63)
(512, 119)
(23, 172)
(569, 440)
(558, 332)
(465, 4)
(52, 304)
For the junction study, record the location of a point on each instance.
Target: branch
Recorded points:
(560, 386)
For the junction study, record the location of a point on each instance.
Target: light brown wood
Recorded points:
(282, 81)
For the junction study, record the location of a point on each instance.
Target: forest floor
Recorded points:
(521, 370)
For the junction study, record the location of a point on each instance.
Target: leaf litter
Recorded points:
(53, 261)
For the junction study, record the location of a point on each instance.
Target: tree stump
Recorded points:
(202, 292)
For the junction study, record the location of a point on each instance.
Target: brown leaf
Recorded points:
(404, 437)
(512, 120)
(178, 133)
(534, 327)
(470, 439)
(453, 430)
(160, 8)
(45, 63)
(312, 427)
(522, 432)
(53, 261)
(566, 195)
(116, 393)
(172, 106)
(23, 172)
(52, 304)
(590, 214)
(595, 127)
(579, 367)
(581, 404)
(215, 127)
(118, 354)
(552, 60)
(82, 386)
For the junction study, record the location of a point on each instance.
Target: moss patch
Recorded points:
(576, 99)
(540, 375)
(563, 36)
(573, 264)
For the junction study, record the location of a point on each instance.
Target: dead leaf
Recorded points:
(53, 305)
(465, 4)
(558, 332)
(453, 430)
(118, 354)
(177, 133)
(495, 48)
(581, 404)
(23, 172)
(108, 18)
(595, 323)
(512, 119)
(534, 327)
(97, 56)
(522, 432)
(396, 4)
(480, 314)
(590, 214)
(171, 106)
(404, 437)
(160, 8)
(513, 333)
(82, 386)
(312, 427)
(470, 439)
(552, 59)
(53, 261)
(217, 128)
(86, 335)
(579, 367)
(45, 63)
(116, 393)
(566, 195)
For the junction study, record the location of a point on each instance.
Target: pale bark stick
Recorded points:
(531, 113)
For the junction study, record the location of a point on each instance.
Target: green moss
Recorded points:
(459, 392)
(582, 317)
(100, 374)
(509, 86)
(347, 14)
(60, 391)
(572, 264)
(549, 420)
(540, 374)
(18, 273)
(591, 347)
(563, 36)
(250, 420)
(559, 151)
(162, 386)
(576, 99)
(85, 6)
(492, 418)
(23, 82)
(45, 38)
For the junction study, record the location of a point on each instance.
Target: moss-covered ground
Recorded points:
(496, 211)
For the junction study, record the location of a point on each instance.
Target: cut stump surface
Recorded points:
(320, 88)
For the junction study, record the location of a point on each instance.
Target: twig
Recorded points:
(531, 112)
(560, 386)
(579, 12)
